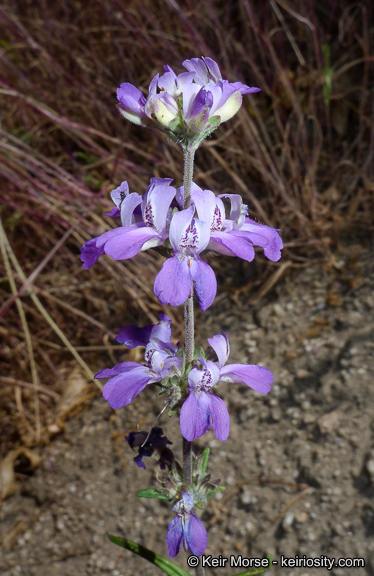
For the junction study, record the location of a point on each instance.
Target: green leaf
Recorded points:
(215, 491)
(151, 493)
(162, 563)
(256, 571)
(204, 462)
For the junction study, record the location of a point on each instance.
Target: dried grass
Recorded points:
(300, 152)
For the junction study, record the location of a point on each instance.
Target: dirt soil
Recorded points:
(298, 465)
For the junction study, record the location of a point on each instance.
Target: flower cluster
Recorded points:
(158, 219)
(188, 106)
(201, 410)
(183, 223)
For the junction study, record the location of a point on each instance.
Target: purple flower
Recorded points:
(184, 104)
(145, 222)
(128, 379)
(153, 444)
(173, 285)
(203, 410)
(186, 528)
(237, 234)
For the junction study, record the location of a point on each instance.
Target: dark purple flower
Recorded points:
(152, 444)
(173, 285)
(203, 410)
(186, 528)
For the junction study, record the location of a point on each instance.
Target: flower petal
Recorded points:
(122, 389)
(173, 282)
(256, 377)
(221, 346)
(205, 282)
(198, 537)
(195, 416)
(90, 252)
(119, 369)
(174, 537)
(127, 242)
(230, 243)
(220, 417)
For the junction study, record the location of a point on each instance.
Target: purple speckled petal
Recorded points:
(122, 389)
(156, 207)
(205, 282)
(90, 252)
(179, 225)
(221, 346)
(256, 377)
(173, 282)
(198, 537)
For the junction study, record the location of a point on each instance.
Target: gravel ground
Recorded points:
(298, 466)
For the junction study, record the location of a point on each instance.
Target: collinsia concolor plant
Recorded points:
(186, 221)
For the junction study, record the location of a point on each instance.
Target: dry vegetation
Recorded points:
(300, 152)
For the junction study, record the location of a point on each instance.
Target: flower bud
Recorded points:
(230, 107)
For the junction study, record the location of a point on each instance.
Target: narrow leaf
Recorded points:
(165, 565)
(151, 493)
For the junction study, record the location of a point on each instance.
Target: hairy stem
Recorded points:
(188, 312)
(188, 306)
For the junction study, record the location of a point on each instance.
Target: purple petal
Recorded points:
(122, 389)
(205, 203)
(128, 205)
(274, 242)
(118, 194)
(122, 367)
(213, 68)
(132, 336)
(234, 245)
(221, 346)
(205, 282)
(113, 213)
(178, 226)
(198, 538)
(201, 71)
(156, 206)
(202, 101)
(131, 98)
(128, 242)
(245, 89)
(90, 253)
(174, 537)
(256, 377)
(173, 282)
(220, 417)
(195, 416)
